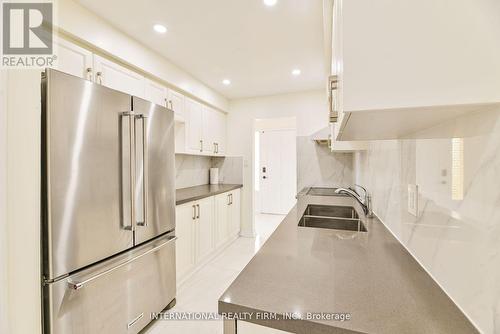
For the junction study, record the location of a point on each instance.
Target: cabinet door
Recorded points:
(176, 103)
(185, 245)
(205, 228)
(73, 59)
(220, 131)
(194, 112)
(156, 93)
(208, 130)
(117, 77)
(222, 215)
(235, 212)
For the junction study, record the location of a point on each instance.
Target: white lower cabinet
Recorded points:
(203, 227)
(184, 231)
(227, 216)
(235, 213)
(221, 218)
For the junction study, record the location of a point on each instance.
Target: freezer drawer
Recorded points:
(116, 296)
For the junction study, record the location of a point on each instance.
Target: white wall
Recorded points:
(456, 239)
(84, 25)
(3, 198)
(22, 209)
(309, 108)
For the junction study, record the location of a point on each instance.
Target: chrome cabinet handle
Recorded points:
(89, 73)
(171, 104)
(99, 77)
(228, 200)
(198, 206)
(231, 197)
(145, 174)
(194, 212)
(77, 285)
(201, 145)
(216, 147)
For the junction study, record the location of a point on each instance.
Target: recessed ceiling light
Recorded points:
(296, 72)
(270, 3)
(160, 28)
(226, 82)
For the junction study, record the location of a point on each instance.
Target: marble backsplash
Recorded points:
(456, 236)
(193, 170)
(317, 166)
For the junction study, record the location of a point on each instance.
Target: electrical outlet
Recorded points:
(413, 199)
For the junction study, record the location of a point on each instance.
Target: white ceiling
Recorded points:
(253, 45)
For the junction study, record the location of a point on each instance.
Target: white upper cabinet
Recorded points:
(405, 53)
(155, 93)
(73, 59)
(115, 76)
(194, 119)
(176, 103)
(218, 124)
(407, 65)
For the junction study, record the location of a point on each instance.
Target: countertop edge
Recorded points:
(226, 188)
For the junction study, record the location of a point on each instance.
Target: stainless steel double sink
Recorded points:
(332, 217)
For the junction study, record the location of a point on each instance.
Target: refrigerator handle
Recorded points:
(144, 171)
(77, 285)
(128, 170)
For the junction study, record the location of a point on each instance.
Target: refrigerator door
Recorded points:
(155, 170)
(116, 296)
(86, 157)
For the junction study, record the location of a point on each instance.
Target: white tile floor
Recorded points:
(202, 290)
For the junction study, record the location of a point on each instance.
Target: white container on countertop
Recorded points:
(214, 175)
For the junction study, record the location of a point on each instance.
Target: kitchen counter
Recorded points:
(368, 275)
(190, 194)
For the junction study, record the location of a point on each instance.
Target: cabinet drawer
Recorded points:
(116, 296)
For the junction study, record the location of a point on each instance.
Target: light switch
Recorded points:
(413, 199)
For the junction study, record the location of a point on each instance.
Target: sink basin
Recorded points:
(333, 223)
(332, 217)
(331, 211)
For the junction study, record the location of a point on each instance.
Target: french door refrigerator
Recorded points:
(108, 208)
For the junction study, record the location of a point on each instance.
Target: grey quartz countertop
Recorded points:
(368, 275)
(190, 194)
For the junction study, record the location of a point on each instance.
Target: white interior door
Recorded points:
(278, 170)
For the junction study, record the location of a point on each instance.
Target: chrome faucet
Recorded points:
(366, 202)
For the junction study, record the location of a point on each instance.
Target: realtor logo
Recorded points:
(27, 34)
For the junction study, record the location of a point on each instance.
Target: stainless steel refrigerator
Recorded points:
(108, 208)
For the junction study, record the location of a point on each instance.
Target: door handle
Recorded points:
(145, 156)
(89, 73)
(99, 77)
(77, 285)
(128, 176)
